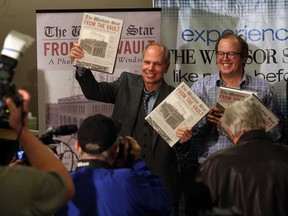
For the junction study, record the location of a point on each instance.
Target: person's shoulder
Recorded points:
(130, 77)
(206, 81)
(166, 85)
(221, 158)
(258, 80)
(22, 170)
(208, 78)
(125, 176)
(31, 174)
(281, 148)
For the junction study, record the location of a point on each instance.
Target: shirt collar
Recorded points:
(244, 82)
(156, 91)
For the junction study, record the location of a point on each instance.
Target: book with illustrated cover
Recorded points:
(227, 96)
(99, 38)
(181, 108)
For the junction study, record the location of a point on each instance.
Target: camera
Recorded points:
(14, 46)
(125, 157)
(7, 89)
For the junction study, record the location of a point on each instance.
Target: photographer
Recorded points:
(104, 188)
(41, 188)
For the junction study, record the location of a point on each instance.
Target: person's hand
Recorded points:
(129, 151)
(19, 163)
(18, 115)
(76, 52)
(184, 134)
(214, 115)
(133, 148)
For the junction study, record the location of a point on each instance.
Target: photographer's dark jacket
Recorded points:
(126, 94)
(252, 175)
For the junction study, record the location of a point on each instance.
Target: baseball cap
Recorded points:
(98, 129)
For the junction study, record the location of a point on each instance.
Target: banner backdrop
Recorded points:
(61, 100)
(190, 29)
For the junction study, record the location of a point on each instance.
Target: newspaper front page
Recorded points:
(227, 96)
(181, 108)
(99, 38)
(269, 118)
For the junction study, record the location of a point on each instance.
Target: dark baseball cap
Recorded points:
(98, 129)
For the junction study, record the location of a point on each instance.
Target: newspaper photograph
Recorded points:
(99, 38)
(181, 108)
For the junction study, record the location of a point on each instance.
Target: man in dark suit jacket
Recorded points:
(127, 95)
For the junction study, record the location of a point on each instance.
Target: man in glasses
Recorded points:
(231, 56)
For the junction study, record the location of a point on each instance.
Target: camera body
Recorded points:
(7, 89)
(125, 158)
(14, 46)
(4, 110)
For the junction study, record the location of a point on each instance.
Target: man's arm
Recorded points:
(37, 153)
(92, 89)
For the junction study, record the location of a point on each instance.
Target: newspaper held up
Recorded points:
(181, 108)
(270, 119)
(99, 38)
(227, 96)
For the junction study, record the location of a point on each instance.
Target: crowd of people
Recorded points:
(127, 168)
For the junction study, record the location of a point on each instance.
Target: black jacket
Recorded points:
(252, 176)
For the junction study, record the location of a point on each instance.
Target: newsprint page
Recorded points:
(99, 38)
(227, 96)
(181, 108)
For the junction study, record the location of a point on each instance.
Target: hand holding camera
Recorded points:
(129, 151)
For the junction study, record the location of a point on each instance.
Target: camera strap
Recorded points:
(94, 163)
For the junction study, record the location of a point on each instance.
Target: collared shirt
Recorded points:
(207, 138)
(152, 99)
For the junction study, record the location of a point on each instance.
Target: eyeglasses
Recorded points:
(229, 55)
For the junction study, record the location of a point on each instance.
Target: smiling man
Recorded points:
(231, 56)
(127, 94)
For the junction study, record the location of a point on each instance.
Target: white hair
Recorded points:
(242, 116)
